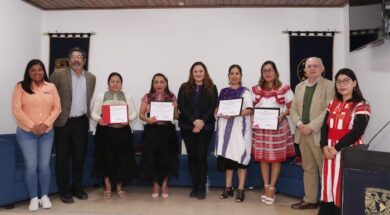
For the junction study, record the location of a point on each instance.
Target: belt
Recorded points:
(78, 117)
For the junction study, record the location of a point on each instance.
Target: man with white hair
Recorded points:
(307, 112)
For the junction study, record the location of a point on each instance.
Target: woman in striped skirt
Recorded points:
(271, 147)
(344, 124)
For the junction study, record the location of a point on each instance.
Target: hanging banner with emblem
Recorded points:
(61, 43)
(303, 46)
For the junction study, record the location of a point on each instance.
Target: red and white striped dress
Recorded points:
(273, 145)
(340, 121)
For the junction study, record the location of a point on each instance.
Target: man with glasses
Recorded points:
(75, 87)
(307, 112)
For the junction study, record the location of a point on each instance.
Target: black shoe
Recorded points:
(201, 191)
(302, 205)
(66, 198)
(240, 195)
(201, 194)
(80, 194)
(194, 193)
(228, 191)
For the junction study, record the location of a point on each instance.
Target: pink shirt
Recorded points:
(41, 107)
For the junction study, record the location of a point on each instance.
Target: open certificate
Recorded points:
(266, 118)
(230, 107)
(115, 114)
(162, 111)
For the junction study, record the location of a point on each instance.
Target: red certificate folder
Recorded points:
(115, 114)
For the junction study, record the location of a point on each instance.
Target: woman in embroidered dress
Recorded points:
(159, 142)
(271, 147)
(114, 153)
(234, 135)
(346, 119)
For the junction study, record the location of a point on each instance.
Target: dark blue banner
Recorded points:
(303, 47)
(59, 48)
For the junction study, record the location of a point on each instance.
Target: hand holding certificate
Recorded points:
(230, 107)
(266, 118)
(162, 111)
(115, 114)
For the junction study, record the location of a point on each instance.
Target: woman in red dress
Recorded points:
(346, 119)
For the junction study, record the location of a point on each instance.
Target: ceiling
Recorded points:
(134, 4)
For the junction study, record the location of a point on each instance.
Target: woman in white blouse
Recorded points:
(114, 153)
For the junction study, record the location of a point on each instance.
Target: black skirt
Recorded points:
(114, 154)
(224, 164)
(159, 152)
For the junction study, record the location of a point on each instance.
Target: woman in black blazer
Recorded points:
(197, 100)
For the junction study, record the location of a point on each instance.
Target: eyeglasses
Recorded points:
(343, 82)
(314, 66)
(270, 70)
(76, 57)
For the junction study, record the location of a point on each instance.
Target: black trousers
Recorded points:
(329, 208)
(70, 144)
(196, 145)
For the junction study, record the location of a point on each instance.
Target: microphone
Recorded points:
(377, 133)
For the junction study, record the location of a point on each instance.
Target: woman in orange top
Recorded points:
(35, 105)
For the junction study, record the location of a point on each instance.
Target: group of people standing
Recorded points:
(324, 125)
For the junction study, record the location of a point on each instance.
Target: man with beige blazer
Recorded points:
(75, 87)
(307, 112)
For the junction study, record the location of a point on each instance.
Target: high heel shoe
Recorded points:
(270, 200)
(228, 191)
(156, 191)
(264, 197)
(155, 195)
(121, 194)
(107, 194)
(165, 193)
(240, 195)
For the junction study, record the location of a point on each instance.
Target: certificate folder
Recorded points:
(162, 111)
(230, 107)
(115, 114)
(266, 118)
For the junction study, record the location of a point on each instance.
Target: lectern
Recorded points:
(365, 182)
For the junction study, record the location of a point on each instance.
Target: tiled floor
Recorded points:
(139, 202)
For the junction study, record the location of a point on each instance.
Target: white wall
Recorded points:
(139, 43)
(372, 67)
(20, 41)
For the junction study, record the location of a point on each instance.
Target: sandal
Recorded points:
(107, 194)
(264, 197)
(228, 191)
(271, 200)
(240, 195)
(121, 194)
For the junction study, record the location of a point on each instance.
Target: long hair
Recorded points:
(26, 82)
(207, 82)
(357, 95)
(166, 90)
(237, 67)
(262, 83)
